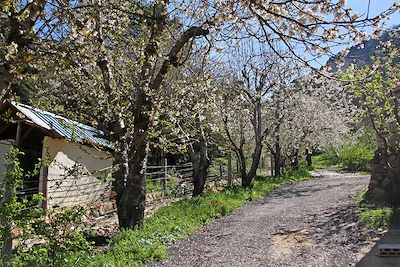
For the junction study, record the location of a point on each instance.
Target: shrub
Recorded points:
(355, 157)
(331, 155)
(351, 156)
(59, 235)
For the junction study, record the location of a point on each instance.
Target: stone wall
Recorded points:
(384, 185)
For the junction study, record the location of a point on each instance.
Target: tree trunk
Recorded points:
(132, 201)
(254, 166)
(295, 160)
(242, 167)
(120, 175)
(272, 164)
(384, 186)
(21, 33)
(5, 82)
(309, 157)
(277, 160)
(201, 162)
(200, 172)
(258, 134)
(230, 177)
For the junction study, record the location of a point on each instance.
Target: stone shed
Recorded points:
(78, 155)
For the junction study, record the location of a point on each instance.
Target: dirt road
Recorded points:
(310, 223)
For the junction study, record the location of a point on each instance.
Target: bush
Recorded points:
(331, 155)
(355, 157)
(59, 235)
(45, 238)
(351, 156)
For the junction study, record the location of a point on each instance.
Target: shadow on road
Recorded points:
(298, 192)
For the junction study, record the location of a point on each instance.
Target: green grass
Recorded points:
(155, 185)
(374, 215)
(321, 161)
(165, 226)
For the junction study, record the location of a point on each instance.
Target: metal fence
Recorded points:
(174, 181)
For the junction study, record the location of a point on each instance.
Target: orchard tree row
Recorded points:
(242, 69)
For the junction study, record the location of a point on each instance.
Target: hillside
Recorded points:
(361, 55)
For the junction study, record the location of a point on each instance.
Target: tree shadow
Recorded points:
(340, 226)
(98, 240)
(299, 192)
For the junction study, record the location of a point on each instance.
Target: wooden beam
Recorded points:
(17, 142)
(44, 130)
(45, 185)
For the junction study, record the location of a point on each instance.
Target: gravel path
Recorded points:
(310, 223)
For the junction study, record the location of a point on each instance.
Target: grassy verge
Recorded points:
(137, 247)
(377, 215)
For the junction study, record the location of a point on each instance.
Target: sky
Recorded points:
(361, 6)
(376, 7)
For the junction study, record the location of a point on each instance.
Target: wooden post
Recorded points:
(237, 165)
(272, 165)
(230, 169)
(220, 171)
(164, 181)
(6, 252)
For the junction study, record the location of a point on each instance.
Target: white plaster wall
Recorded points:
(73, 173)
(4, 149)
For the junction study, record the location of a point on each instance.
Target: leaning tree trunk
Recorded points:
(201, 162)
(5, 82)
(384, 185)
(254, 166)
(132, 202)
(259, 135)
(22, 34)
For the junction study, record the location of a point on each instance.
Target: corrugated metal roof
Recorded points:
(66, 128)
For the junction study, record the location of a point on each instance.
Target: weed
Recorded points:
(375, 215)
